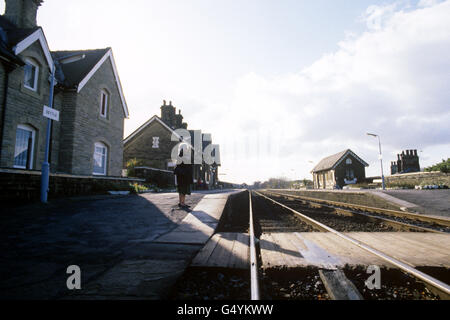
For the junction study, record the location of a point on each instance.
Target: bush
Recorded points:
(401, 185)
(444, 167)
(138, 188)
(131, 164)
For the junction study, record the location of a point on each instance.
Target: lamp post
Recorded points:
(381, 158)
(46, 165)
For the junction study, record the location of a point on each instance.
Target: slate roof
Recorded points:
(331, 161)
(73, 73)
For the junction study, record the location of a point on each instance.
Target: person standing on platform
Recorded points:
(184, 174)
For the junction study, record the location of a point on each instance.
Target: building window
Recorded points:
(31, 74)
(104, 101)
(155, 143)
(100, 159)
(24, 149)
(350, 174)
(348, 161)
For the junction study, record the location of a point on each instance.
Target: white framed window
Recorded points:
(31, 75)
(155, 144)
(348, 161)
(104, 103)
(24, 148)
(100, 159)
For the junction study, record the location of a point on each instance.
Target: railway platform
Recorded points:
(127, 247)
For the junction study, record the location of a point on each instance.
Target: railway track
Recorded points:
(404, 219)
(283, 215)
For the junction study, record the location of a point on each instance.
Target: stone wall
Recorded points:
(18, 186)
(140, 147)
(160, 178)
(90, 127)
(417, 179)
(25, 106)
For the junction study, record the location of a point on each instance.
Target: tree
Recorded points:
(444, 166)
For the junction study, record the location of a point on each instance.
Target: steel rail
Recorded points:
(394, 223)
(254, 282)
(441, 286)
(413, 216)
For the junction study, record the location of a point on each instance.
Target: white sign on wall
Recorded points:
(51, 113)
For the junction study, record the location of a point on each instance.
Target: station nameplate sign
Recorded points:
(51, 113)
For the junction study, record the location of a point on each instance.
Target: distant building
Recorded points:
(87, 140)
(151, 144)
(338, 170)
(407, 161)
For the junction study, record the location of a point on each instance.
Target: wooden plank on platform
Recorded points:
(290, 251)
(202, 257)
(241, 252)
(222, 252)
(270, 255)
(338, 286)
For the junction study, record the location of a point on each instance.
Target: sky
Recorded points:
(279, 84)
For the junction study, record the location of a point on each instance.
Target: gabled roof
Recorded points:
(37, 35)
(78, 73)
(17, 40)
(75, 72)
(155, 118)
(331, 162)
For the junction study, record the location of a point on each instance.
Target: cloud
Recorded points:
(392, 79)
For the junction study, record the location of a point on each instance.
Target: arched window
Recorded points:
(348, 161)
(100, 159)
(31, 74)
(24, 148)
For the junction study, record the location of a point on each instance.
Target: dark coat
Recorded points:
(184, 173)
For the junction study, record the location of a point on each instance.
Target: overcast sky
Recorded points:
(279, 84)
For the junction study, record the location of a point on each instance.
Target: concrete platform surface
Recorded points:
(199, 225)
(326, 250)
(430, 202)
(109, 238)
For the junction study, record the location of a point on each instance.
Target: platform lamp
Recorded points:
(381, 158)
(45, 165)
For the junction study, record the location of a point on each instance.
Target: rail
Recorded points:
(441, 286)
(394, 223)
(413, 216)
(254, 281)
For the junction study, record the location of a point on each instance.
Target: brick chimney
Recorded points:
(168, 114)
(22, 13)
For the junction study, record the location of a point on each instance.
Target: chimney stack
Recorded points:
(22, 13)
